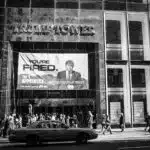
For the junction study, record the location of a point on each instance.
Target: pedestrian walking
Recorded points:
(147, 122)
(6, 126)
(2, 126)
(103, 123)
(68, 121)
(90, 119)
(75, 121)
(122, 122)
(108, 125)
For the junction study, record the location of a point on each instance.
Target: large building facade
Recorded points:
(109, 41)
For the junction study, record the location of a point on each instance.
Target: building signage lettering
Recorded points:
(44, 29)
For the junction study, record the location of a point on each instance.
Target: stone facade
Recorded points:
(49, 16)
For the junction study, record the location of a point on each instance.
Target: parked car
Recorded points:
(45, 131)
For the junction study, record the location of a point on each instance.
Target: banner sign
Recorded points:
(45, 29)
(50, 71)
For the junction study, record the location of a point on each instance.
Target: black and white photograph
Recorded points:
(75, 74)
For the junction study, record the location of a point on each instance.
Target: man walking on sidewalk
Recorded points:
(122, 122)
(148, 123)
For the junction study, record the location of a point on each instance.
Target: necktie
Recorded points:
(70, 75)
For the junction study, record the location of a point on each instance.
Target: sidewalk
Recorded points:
(128, 134)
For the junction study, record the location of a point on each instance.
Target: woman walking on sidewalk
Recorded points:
(103, 122)
(108, 125)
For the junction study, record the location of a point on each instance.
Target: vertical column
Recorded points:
(147, 75)
(6, 68)
(94, 9)
(102, 102)
(101, 91)
(2, 22)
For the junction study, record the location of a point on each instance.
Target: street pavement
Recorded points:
(130, 139)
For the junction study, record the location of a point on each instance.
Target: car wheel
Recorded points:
(82, 138)
(32, 140)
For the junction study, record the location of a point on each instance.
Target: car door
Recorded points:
(51, 132)
(43, 131)
(62, 133)
(54, 132)
(40, 131)
(69, 133)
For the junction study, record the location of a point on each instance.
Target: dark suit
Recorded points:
(75, 76)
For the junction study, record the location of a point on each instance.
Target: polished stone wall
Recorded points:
(15, 16)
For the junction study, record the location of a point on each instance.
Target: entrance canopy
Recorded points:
(57, 102)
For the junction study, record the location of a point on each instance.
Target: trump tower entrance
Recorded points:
(40, 86)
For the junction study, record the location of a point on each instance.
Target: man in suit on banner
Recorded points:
(68, 78)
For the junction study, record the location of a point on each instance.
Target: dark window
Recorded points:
(115, 78)
(135, 1)
(139, 97)
(135, 32)
(115, 98)
(0, 51)
(137, 55)
(90, 4)
(2, 3)
(138, 78)
(115, 4)
(42, 3)
(113, 35)
(114, 55)
(67, 4)
(2, 11)
(137, 5)
(18, 3)
(116, 1)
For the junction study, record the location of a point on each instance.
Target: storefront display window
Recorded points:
(138, 112)
(115, 107)
(139, 108)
